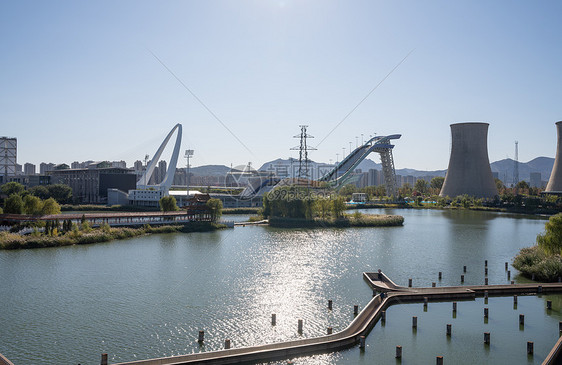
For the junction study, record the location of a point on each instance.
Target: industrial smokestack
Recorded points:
(469, 167)
(555, 181)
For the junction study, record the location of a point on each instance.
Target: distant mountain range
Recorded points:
(504, 168)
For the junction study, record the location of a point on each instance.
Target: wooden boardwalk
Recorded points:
(390, 293)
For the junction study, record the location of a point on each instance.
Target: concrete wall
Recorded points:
(555, 181)
(469, 167)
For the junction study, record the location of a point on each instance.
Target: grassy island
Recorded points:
(348, 220)
(543, 262)
(87, 235)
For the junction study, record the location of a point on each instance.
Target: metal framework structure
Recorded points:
(303, 149)
(379, 144)
(8, 156)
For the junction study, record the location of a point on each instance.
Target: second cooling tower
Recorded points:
(469, 167)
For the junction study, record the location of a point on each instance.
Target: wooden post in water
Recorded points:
(522, 319)
(530, 347)
(486, 281)
(508, 274)
(560, 326)
(486, 271)
(462, 278)
(506, 265)
(227, 344)
(414, 322)
(329, 330)
(454, 306)
(486, 263)
(362, 342)
(539, 289)
(486, 312)
(439, 360)
(425, 302)
(433, 285)
(398, 352)
(410, 283)
(515, 299)
(355, 310)
(464, 268)
(330, 304)
(300, 326)
(449, 329)
(103, 359)
(549, 304)
(273, 319)
(487, 338)
(485, 294)
(201, 336)
(440, 275)
(383, 316)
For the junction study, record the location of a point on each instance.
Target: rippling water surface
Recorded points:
(149, 296)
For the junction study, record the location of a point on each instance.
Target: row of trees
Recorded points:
(214, 206)
(59, 192)
(31, 205)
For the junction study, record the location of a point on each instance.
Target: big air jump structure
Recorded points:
(555, 181)
(469, 167)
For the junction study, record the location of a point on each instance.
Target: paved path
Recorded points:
(360, 326)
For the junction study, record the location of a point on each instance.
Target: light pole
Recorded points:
(188, 154)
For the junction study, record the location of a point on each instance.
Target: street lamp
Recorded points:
(188, 154)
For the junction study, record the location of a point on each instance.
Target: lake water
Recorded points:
(149, 296)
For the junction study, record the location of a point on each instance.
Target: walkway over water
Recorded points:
(360, 326)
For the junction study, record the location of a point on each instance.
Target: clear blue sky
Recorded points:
(78, 80)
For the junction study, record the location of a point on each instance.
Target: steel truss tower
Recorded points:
(8, 157)
(303, 149)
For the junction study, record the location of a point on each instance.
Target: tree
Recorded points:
(12, 188)
(168, 204)
(499, 185)
(338, 207)
(61, 193)
(32, 205)
(215, 208)
(421, 186)
(551, 241)
(50, 206)
(13, 205)
(40, 191)
(437, 182)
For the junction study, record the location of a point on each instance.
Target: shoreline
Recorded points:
(13, 241)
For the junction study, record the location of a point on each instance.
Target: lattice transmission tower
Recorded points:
(303, 149)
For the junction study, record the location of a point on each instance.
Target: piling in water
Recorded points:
(454, 306)
(530, 347)
(486, 271)
(486, 312)
(425, 302)
(506, 265)
(508, 274)
(487, 338)
(522, 319)
(449, 329)
(355, 309)
(300, 326)
(485, 294)
(103, 359)
(486, 281)
(539, 289)
(409, 283)
(273, 319)
(362, 342)
(440, 275)
(549, 304)
(414, 322)
(560, 326)
(330, 304)
(383, 316)
(439, 360)
(433, 285)
(226, 344)
(486, 263)
(201, 337)
(515, 299)
(464, 268)
(329, 330)
(398, 352)
(462, 278)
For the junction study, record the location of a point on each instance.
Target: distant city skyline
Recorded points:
(107, 80)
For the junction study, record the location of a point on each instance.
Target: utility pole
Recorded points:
(303, 149)
(188, 155)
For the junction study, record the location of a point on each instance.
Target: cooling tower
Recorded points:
(469, 168)
(555, 181)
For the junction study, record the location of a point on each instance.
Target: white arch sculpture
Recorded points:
(169, 178)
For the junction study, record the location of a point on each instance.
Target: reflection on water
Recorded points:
(149, 296)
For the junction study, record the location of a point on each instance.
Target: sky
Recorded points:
(107, 80)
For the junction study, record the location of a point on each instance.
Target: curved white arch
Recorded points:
(169, 178)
